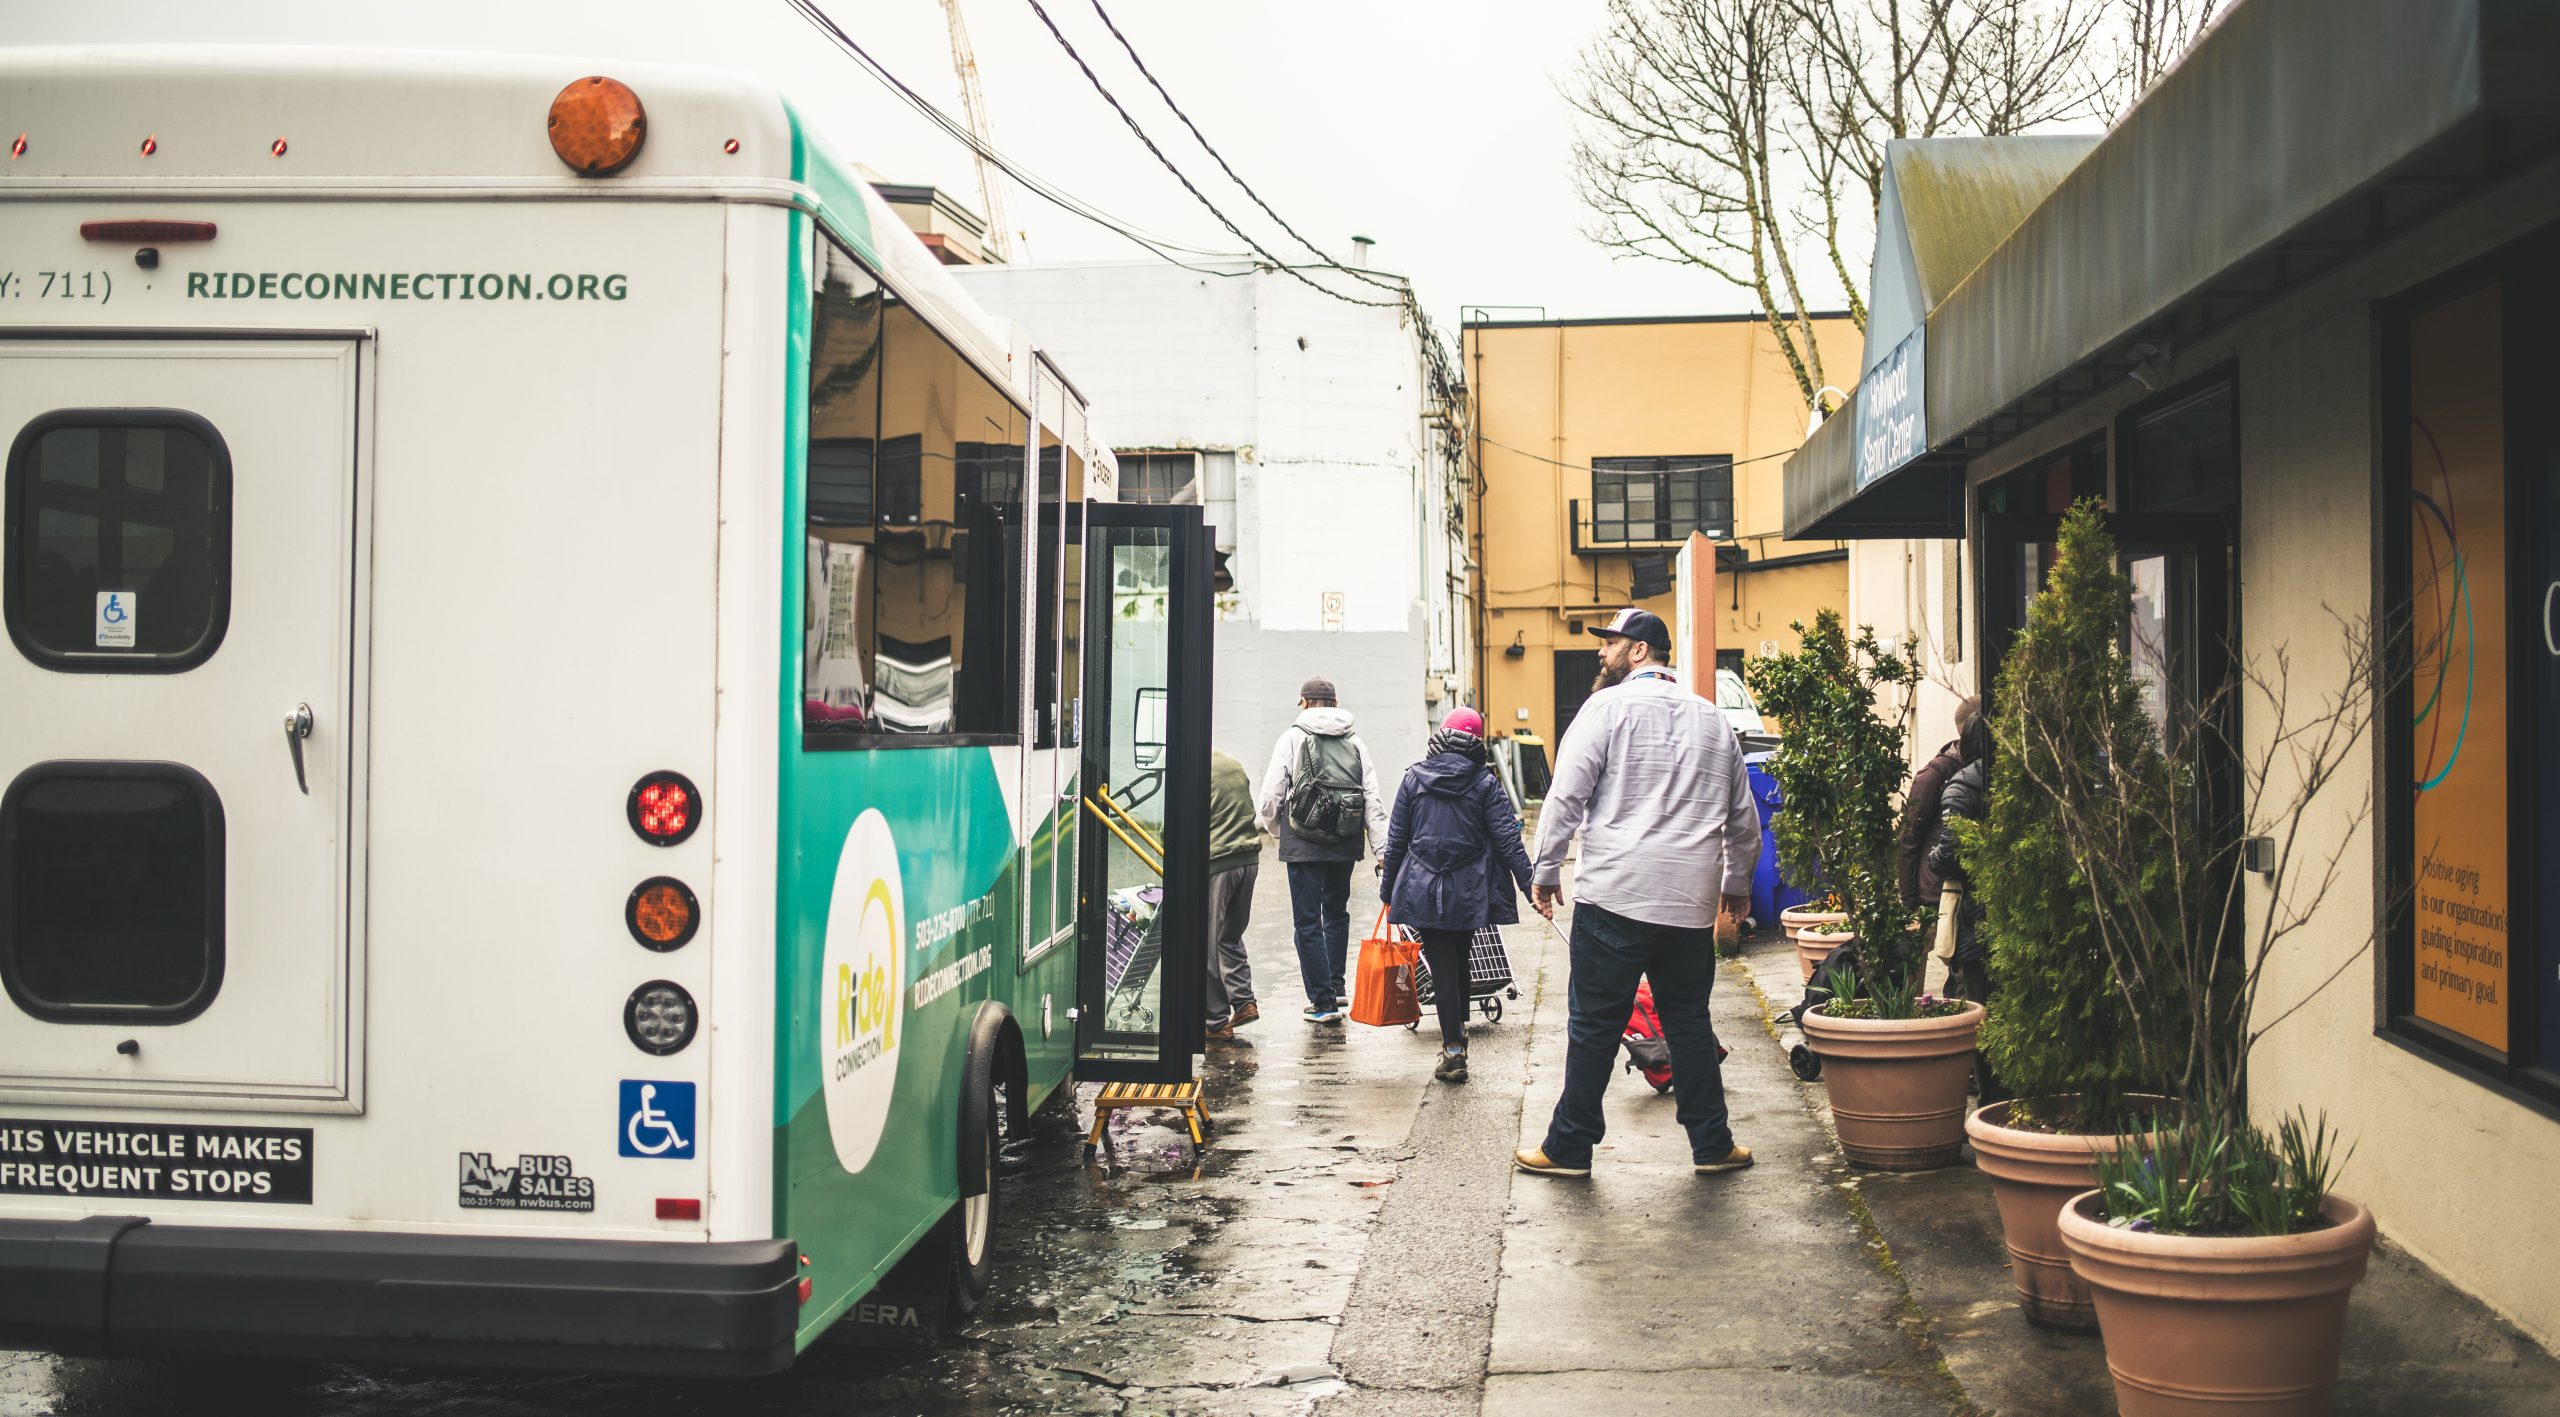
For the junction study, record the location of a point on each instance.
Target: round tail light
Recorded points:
(665, 808)
(662, 913)
(660, 1017)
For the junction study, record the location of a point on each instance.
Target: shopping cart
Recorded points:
(1488, 974)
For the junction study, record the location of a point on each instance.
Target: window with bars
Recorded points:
(1156, 477)
(1661, 498)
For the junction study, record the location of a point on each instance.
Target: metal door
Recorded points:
(1143, 909)
(179, 746)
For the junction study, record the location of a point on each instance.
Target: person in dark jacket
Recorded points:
(1967, 795)
(1235, 864)
(1920, 813)
(1453, 859)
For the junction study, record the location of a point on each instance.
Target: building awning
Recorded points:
(1947, 204)
(2294, 136)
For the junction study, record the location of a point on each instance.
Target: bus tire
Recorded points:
(991, 1095)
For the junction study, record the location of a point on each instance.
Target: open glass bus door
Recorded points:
(1143, 897)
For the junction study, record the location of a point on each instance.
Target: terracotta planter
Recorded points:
(1897, 1085)
(1795, 920)
(2195, 1325)
(1813, 946)
(2033, 1176)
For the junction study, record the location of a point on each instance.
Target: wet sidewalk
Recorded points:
(2413, 1344)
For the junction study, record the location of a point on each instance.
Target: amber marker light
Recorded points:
(597, 125)
(662, 913)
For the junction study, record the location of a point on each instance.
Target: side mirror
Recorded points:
(1146, 730)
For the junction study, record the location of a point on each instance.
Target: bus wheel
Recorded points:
(973, 1247)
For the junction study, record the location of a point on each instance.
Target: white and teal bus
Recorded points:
(580, 729)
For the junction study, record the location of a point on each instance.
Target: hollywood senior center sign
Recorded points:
(1891, 409)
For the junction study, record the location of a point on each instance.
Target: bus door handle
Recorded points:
(297, 726)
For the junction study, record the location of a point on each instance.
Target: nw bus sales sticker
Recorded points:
(155, 1161)
(535, 1182)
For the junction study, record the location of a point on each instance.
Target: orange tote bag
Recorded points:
(1382, 992)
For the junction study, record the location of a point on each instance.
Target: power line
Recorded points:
(1220, 158)
(1184, 178)
(1586, 467)
(1041, 187)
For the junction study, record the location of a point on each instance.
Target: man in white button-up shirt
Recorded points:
(1651, 777)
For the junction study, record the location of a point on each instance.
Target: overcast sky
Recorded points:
(1432, 125)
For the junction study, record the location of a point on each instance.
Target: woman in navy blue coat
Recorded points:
(1453, 859)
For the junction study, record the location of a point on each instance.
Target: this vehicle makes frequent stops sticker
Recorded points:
(155, 1161)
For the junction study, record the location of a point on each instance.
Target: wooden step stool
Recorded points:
(1182, 1097)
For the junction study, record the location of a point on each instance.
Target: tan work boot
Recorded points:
(1535, 1162)
(1734, 1160)
(1245, 1013)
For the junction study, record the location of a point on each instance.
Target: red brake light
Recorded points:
(807, 1288)
(665, 808)
(146, 229)
(679, 1208)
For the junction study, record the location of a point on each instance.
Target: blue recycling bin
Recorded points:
(1769, 894)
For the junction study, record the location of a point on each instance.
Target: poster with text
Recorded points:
(2459, 655)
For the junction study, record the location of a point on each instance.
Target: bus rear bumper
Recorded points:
(105, 1285)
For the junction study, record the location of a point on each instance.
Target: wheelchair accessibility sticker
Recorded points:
(657, 1120)
(116, 609)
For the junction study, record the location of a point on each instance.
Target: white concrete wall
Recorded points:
(1922, 589)
(2451, 1166)
(1309, 414)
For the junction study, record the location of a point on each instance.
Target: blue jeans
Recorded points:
(1320, 905)
(1610, 954)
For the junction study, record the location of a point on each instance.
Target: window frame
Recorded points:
(1150, 458)
(1664, 473)
(2519, 1074)
(217, 943)
(895, 297)
(17, 473)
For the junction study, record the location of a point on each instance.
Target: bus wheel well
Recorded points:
(995, 1058)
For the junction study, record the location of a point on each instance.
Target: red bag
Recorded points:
(1646, 1051)
(1382, 989)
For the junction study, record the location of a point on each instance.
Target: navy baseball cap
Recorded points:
(1642, 626)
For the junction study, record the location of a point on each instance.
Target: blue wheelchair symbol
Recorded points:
(657, 1120)
(114, 613)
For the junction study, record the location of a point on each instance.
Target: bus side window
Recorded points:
(845, 351)
(912, 629)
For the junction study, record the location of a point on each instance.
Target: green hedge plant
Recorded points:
(1840, 765)
(2066, 710)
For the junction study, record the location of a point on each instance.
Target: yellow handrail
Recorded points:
(1131, 819)
(1150, 862)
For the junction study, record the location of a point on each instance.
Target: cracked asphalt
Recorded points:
(1353, 1243)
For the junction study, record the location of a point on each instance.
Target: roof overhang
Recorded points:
(2296, 135)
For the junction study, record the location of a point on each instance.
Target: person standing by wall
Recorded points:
(1651, 777)
(1920, 813)
(1968, 795)
(1320, 798)
(1453, 859)
(1235, 864)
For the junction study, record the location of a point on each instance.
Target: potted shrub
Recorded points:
(2218, 1257)
(1815, 942)
(1894, 1058)
(2061, 1036)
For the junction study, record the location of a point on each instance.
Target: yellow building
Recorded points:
(1599, 446)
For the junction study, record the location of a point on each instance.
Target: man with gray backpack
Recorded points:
(1320, 797)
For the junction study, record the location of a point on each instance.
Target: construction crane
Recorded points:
(964, 62)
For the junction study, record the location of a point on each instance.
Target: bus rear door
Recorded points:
(177, 905)
(1143, 902)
